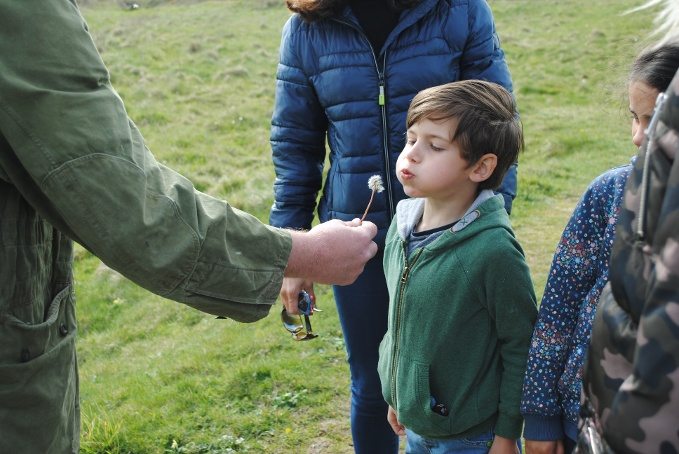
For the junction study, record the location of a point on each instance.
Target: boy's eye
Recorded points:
(435, 148)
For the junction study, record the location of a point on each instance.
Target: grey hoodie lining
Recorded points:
(409, 212)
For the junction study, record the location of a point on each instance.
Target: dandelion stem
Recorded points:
(365, 213)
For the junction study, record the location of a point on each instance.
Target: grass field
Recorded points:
(197, 77)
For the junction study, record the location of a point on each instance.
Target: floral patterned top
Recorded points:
(578, 274)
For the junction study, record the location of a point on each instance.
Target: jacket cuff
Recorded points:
(570, 430)
(508, 426)
(543, 428)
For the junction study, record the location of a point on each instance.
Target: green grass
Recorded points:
(197, 77)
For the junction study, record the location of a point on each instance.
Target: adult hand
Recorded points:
(544, 447)
(502, 445)
(290, 292)
(334, 252)
(396, 426)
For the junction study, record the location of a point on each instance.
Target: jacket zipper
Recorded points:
(641, 221)
(397, 319)
(385, 137)
(382, 102)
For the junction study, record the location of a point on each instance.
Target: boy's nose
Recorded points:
(411, 152)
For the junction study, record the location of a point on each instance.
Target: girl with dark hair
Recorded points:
(579, 272)
(347, 73)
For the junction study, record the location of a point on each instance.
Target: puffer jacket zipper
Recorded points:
(381, 100)
(385, 136)
(397, 319)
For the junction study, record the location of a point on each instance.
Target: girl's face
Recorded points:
(641, 102)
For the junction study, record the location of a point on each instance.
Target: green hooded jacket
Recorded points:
(461, 315)
(74, 167)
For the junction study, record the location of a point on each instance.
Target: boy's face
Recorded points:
(431, 165)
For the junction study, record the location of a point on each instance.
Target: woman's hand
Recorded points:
(290, 292)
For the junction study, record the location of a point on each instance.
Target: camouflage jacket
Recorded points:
(632, 373)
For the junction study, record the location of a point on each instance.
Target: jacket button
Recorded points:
(25, 355)
(63, 329)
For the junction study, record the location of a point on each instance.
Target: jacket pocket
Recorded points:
(414, 402)
(38, 381)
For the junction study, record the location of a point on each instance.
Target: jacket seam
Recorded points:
(33, 138)
(64, 170)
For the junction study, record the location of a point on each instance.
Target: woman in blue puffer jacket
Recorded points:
(347, 73)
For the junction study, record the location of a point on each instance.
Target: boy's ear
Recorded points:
(483, 168)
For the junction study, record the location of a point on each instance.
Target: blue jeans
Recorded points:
(479, 444)
(363, 309)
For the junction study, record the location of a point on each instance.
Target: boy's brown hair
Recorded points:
(487, 121)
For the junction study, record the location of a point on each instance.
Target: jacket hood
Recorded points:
(409, 212)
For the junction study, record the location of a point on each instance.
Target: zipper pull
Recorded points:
(380, 98)
(404, 276)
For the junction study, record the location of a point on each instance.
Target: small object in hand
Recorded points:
(300, 330)
(305, 304)
(375, 185)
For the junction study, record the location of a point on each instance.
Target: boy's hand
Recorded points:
(544, 447)
(396, 426)
(502, 445)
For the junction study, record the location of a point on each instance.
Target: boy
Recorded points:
(462, 305)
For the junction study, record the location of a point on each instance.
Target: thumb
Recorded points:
(370, 227)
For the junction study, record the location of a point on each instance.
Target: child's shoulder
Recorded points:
(612, 177)
(497, 244)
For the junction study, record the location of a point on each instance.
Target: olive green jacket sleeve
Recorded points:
(68, 146)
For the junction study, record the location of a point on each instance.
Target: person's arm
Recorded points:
(508, 290)
(580, 259)
(298, 129)
(69, 148)
(483, 58)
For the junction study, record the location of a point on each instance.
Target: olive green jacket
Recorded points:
(74, 167)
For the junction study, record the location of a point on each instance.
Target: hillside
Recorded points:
(197, 77)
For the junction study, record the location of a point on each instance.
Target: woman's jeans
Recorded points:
(363, 309)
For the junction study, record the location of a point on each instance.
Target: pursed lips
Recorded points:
(405, 173)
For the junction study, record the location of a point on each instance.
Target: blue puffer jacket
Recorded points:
(332, 86)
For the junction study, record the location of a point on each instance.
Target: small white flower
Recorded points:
(375, 183)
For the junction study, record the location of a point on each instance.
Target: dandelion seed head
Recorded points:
(375, 183)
